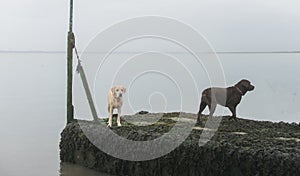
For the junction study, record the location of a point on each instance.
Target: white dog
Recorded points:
(115, 101)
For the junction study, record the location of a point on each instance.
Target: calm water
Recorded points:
(32, 103)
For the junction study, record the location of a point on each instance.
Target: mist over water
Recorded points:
(32, 101)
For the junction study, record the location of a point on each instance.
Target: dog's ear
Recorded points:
(243, 83)
(113, 89)
(124, 89)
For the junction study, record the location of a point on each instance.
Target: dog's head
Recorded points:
(245, 85)
(118, 91)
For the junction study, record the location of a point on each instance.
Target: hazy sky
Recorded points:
(229, 25)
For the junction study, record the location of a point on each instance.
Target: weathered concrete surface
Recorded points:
(245, 147)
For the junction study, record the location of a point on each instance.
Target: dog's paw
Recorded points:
(119, 125)
(109, 125)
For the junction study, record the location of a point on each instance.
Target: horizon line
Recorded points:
(124, 52)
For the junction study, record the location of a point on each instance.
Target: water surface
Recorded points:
(32, 103)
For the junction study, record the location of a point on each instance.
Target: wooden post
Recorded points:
(87, 89)
(70, 47)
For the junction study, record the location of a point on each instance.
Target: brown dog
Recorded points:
(229, 97)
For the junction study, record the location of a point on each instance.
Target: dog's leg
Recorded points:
(233, 111)
(119, 118)
(201, 108)
(110, 111)
(212, 109)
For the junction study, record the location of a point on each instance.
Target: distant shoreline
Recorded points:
(125, 52)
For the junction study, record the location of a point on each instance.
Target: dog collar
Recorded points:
(239, 90)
